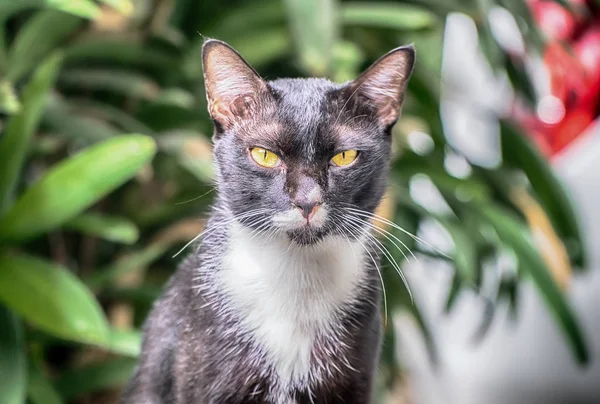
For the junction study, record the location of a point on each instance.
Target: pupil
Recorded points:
(265, 155)
(343, 155)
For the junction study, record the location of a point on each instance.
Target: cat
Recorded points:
(280, 302)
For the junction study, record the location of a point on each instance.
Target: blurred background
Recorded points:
(106, 172)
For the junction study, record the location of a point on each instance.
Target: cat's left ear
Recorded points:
(384, 83)
(233, 87)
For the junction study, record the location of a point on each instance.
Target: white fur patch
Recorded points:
(293, 219)
(288, 294)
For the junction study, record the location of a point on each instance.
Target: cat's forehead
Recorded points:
(306, 117)
(303, 104)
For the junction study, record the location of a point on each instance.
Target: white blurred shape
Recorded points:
(505, 30)
(457, 165)
(426, 194)
(550, 109)
(420, 142)
(470, 94)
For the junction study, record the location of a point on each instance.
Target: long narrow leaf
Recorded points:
(126, 52)
(109, 113)
(14, 144)
(60, 118)
(125, 83)
(80, 8)
(315, 29)
(249, 16)
(387, 15)
(51, 297)
(519, 152)
(515, 235)
(111, 228)
(74, 184)
(39, 389)
(13, 367)
(465, 254)
(40, 36)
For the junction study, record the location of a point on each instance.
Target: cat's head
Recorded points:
(300, 156)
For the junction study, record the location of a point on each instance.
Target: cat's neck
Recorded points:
(287, 295)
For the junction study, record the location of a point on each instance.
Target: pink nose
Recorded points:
(308, 208)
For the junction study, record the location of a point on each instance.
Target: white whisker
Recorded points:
(386, 253)
(385, 309)
(394, 225)
(205, 232)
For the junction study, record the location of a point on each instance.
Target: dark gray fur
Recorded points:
(194, 350)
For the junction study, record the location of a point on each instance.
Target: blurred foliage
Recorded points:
(105, 167)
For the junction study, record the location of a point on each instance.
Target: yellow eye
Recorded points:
(264, 157)
(344, 158)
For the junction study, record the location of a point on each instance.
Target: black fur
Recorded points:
(194, 350)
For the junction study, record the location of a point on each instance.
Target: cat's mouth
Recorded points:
(300, 229)
(307, 235)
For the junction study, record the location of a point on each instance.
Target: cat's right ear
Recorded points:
(384, 83)
(233, 87)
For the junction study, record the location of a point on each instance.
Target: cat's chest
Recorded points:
(291, 298)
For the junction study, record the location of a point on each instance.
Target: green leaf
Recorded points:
(246, 17)
(123, 6)
(315, 29)
(509, 289)
(125, 83)
(43, 33)
(519, 152)
(13, 367)
(50, 297)
(520, 79)
(486, 321)
(14, 144)
(443, 7)
(125, 342)
(275, 44)
(75, 184)
(9, 102)
(107, 112)
(81, 8)
(62, 118)
(453, 293)
(192, 150)
(388, 364)
(39, 389)
(113, 373)
(163, 117)
(465, 253)
(347, 60)
(111, 228)
(135, 261)
(387, 15)
(125, 52)
(516, 235)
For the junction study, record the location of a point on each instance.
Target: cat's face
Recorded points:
(297, 157)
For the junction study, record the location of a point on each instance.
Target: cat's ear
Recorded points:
(232, 85)
(384, 83)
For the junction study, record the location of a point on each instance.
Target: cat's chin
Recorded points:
(306, 236)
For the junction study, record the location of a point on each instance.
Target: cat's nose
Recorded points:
(308, 208)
